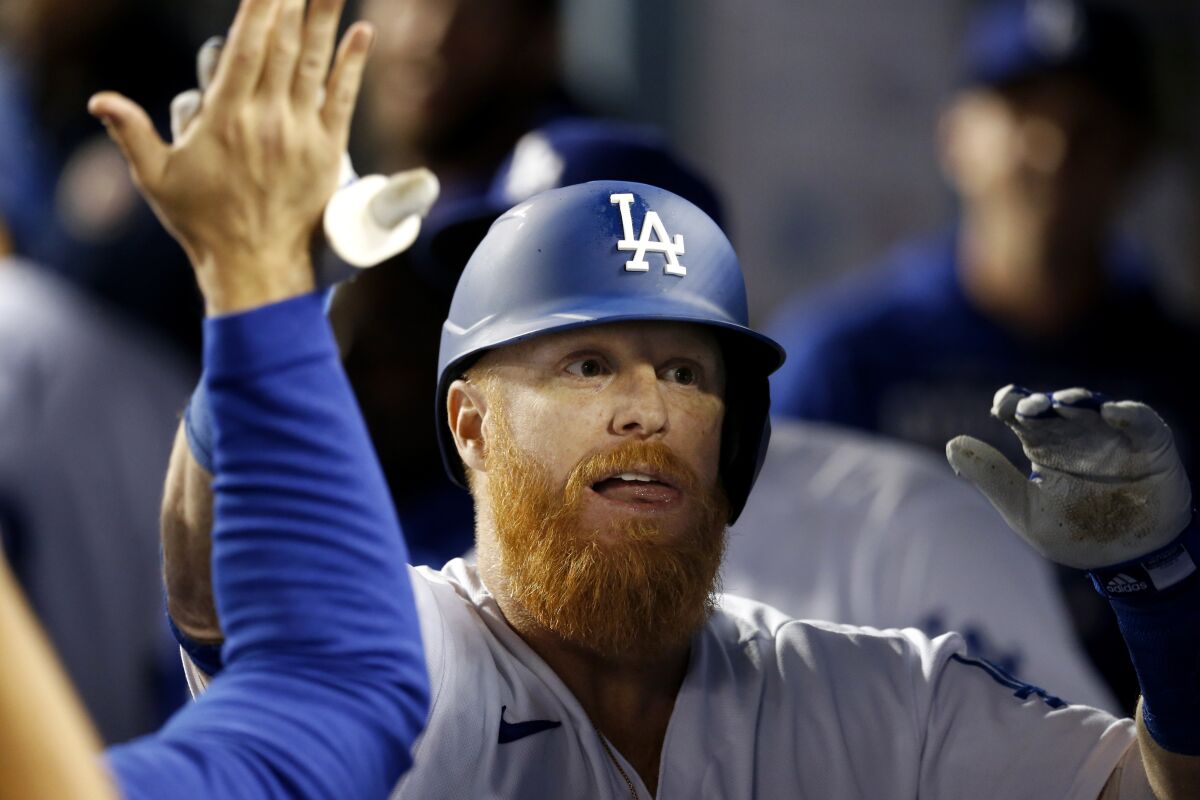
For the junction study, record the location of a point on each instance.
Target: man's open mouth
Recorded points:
(639, 488)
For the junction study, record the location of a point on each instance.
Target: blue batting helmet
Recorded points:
(612, 251)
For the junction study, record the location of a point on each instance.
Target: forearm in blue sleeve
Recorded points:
(324, 688)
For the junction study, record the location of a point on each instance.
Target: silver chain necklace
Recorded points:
(608, 751)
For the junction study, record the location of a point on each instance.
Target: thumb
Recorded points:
(994, 475)
(130, 127)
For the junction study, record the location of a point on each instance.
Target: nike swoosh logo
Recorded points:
(512, 731)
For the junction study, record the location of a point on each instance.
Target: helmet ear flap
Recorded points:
(731, 446)
(746, 430)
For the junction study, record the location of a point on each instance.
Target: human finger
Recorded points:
(241, 62)
(283, 50)
(130, 127)
(345, 80)
(320, 32)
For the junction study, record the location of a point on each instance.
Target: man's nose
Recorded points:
(640, 407)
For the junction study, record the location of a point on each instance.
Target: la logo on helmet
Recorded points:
(652, 225)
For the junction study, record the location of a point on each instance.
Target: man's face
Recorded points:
(438, 64)
(1053, 147)
(602, 448)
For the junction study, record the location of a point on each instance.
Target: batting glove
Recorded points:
(1107, 484)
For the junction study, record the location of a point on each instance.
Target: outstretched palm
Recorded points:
(245, 186)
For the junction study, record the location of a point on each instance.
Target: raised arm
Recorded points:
(367, 221)
(323, 690)
(1109, 495)
(324, 687)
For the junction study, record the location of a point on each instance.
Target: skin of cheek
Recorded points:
(700, 421)
(561, 425)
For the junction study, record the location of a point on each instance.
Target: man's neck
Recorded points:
(1025, 280)
(629, 702)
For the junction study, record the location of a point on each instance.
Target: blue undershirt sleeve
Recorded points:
(324, 688)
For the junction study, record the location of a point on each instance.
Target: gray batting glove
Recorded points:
(186, 105)
(367, 220)
(1107, 483)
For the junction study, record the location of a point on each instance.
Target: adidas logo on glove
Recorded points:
(1123, 584)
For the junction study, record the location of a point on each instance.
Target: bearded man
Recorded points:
(603, 397)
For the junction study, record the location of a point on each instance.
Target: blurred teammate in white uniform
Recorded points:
(603, 397)
(859, 529)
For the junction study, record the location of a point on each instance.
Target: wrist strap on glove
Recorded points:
(1154, 572)
(1157, 602)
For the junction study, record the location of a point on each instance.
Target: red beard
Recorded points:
(629, 592)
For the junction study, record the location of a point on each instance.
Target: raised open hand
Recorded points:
(1107, 487)
(245, 184)
(369, 219)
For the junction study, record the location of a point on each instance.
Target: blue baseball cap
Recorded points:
(563, 152)
(1013, 40)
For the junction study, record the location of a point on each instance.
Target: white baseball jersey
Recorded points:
(858, 529)
(770, 707)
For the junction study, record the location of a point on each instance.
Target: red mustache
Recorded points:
(632, 456)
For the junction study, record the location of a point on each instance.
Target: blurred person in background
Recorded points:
(864, 530)
(66, 199)
(97, 322)
(1041, 147)
(453, 84)
(88, 406)
(1031, 283)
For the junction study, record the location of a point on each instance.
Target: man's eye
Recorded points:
(684, 376)
(586, 368)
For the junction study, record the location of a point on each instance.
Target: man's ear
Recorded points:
(466, 408)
